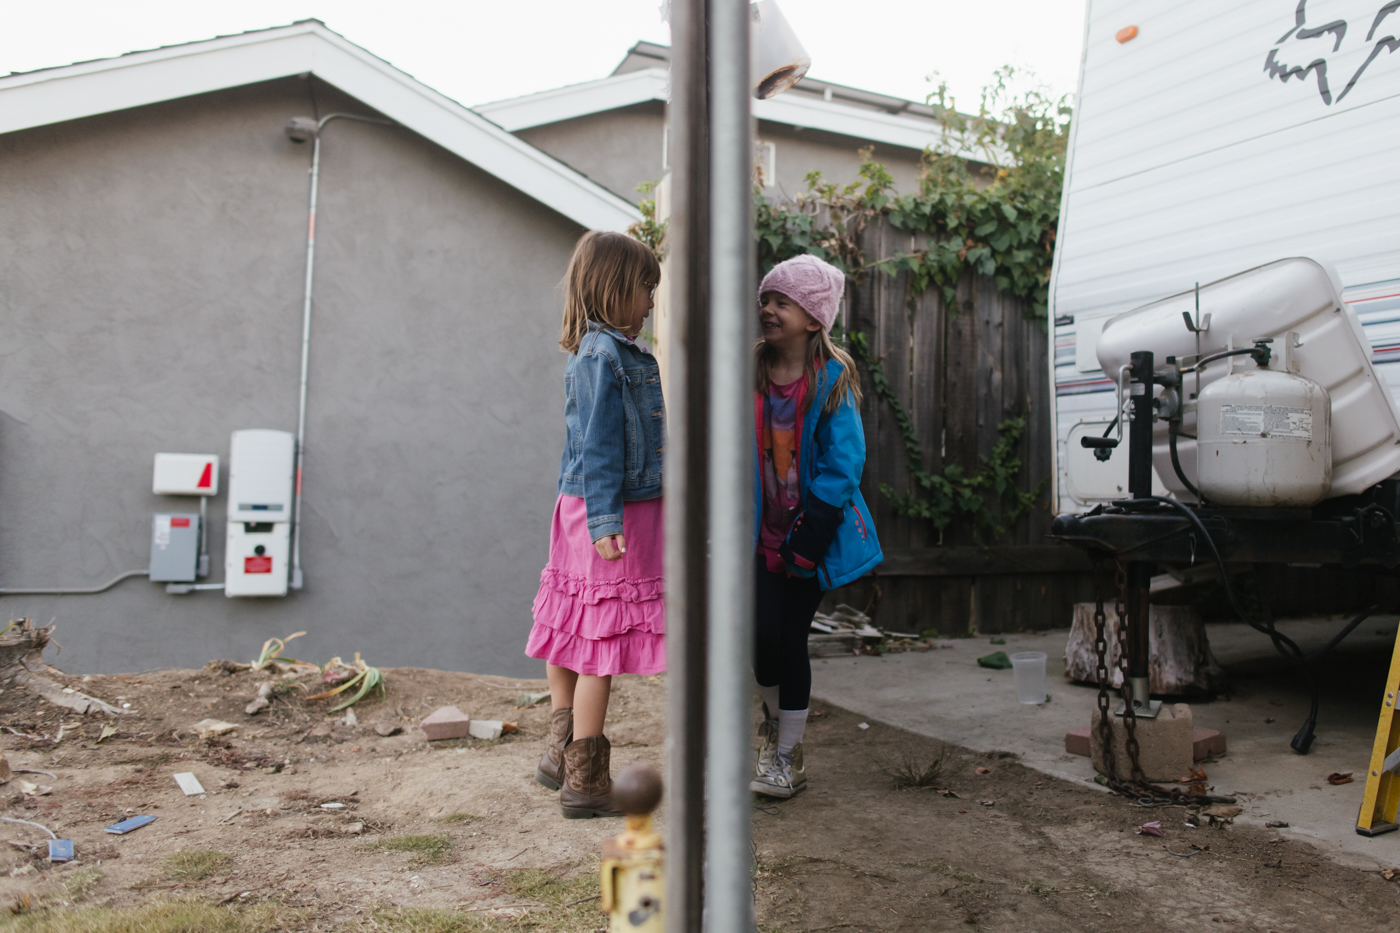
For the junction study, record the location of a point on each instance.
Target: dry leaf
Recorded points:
(1389, 873)
(1339, 777)
(1150, 829)
(984, 770)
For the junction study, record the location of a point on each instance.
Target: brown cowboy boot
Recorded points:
(550, 773)
(587, 790)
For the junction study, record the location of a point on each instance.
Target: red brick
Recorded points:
(1206, 742)
(1077, 742)
(447, 722)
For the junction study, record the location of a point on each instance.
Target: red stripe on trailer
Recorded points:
(206, 479)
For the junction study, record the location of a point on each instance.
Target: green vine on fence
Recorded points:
(988, 200)
(998, 221)
(953, 492)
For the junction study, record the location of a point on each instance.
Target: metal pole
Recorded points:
(296, 580)
(687, 470)
(729, 903)
(1139, 486)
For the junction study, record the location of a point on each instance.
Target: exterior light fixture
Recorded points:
(777, 59)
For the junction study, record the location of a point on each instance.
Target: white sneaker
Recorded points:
(785, 777)
(767, 746)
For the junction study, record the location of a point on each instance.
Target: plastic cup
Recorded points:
(1029, 670)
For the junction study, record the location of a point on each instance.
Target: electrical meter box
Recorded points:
(174, 548)
(186, 475)
(260, 489)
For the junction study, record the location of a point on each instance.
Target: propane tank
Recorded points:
(1264, 437)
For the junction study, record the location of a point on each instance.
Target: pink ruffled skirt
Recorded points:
(601, 617)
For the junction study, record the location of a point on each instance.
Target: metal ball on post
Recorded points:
(633, 883)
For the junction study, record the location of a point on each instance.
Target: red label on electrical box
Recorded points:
(206, 479)
(179, 523)
(257, 565)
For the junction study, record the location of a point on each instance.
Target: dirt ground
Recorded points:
(456, 835)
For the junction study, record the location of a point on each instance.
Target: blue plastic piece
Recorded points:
(126, 826)
(60, 850)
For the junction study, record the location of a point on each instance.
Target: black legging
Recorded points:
(784, 607)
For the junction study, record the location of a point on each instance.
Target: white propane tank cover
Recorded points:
(261, 464)
(186, 475)
(1264, 440)
(1298, 294)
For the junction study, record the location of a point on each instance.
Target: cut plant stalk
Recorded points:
(368, 678)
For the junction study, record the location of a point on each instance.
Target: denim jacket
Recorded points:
(615, 420)
(831, 457)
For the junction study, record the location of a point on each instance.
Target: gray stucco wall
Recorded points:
(619, 149)
(151, 266)
(622, 148)
(837, 157)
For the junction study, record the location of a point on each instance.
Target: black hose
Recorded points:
(1282, 643)
(1176, 463)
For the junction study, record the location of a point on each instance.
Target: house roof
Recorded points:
(54, 95)
(643, 75)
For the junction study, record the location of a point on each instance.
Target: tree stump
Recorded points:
(22, 665)
(1180, 659)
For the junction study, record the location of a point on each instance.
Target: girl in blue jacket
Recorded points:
(812, 529)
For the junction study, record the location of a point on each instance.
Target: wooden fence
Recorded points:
(960, 370)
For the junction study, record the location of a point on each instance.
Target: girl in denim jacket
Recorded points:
(599, 610)
(812, 529)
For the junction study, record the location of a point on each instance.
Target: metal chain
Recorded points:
(1129, 713)
(1138, 787)
(1101, 673)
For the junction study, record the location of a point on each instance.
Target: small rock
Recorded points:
(485, 728)
(531, 699)
(353, 829)
(387, 729)
(5, 773)
(23, 870)
(208, 728)
(321, 730)
(350, 718)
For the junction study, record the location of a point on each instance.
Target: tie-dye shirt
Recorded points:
(782, 492)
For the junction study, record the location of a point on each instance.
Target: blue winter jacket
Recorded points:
(615, 420)
(830, 459)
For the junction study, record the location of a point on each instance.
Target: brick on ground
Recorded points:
(1205, 743)
(447, 722)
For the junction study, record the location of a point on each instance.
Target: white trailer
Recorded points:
(1221, 136)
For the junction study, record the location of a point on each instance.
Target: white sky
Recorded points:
(475, 51)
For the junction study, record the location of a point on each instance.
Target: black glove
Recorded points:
(811, 534)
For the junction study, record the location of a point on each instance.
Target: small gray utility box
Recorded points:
(174, 547)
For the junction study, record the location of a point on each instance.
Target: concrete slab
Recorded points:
(942, 693)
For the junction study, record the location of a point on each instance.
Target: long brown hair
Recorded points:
(820, 348)
(606, 274)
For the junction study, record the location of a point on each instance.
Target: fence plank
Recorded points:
(961, 368)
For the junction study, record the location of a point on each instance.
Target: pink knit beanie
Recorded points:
(815, 285)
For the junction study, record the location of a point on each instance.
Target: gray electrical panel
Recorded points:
(174, 547)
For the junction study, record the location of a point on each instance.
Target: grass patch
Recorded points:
(194, 864)
(161, 916)
(429, 920)
(910, 768)
(459, 817)
(558, 902)
(80, 882)
(433, 849)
